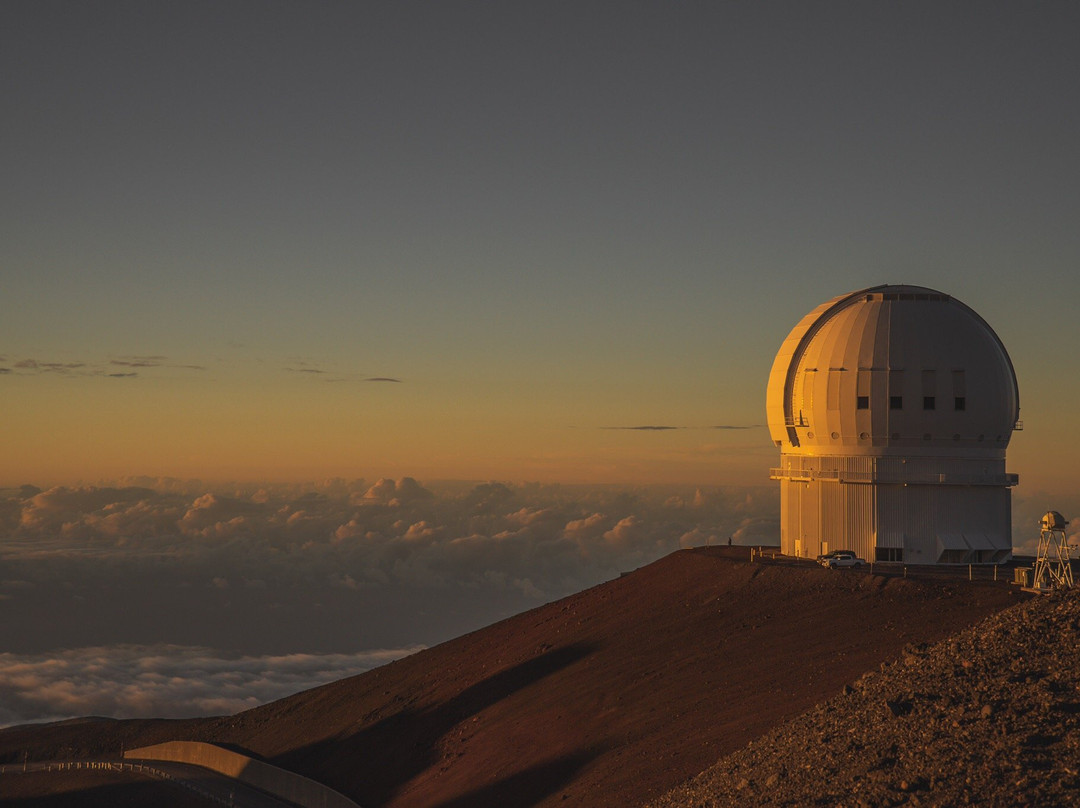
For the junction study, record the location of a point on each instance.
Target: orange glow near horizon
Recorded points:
(83, 430)
(286, 428)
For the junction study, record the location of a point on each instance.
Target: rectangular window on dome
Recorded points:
(928, 402)
(896, 402)
(862, 402)
(960, 403)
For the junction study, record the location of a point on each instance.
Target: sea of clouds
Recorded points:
(159, 597)
(163, 681)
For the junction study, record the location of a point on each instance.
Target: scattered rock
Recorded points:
(947, 752)
(898, 707)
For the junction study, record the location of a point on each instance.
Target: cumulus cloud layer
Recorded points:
(266, 573)
(548, 539)
(167, 681)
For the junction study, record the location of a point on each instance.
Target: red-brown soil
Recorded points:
(606, 698)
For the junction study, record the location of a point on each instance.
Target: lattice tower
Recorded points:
(1053, 568)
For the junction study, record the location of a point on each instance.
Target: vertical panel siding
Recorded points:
(832, 524)
(860, 519)
(810, 526)
(837, 507)
(789, 491)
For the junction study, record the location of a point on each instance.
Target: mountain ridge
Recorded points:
(609, 697)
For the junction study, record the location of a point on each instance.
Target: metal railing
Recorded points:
(893, 477)
(105, 765)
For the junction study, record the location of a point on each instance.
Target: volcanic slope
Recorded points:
(989, 716)
(606, 698)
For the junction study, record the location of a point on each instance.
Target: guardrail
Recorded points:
(99, 765)
(81, 765)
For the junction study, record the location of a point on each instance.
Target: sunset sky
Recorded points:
(285, 240)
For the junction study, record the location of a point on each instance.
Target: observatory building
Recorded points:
(892, 407)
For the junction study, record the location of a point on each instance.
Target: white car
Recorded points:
(842, 560)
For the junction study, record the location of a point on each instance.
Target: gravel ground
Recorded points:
(990, 716)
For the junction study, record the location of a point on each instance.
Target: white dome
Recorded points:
(892, 370)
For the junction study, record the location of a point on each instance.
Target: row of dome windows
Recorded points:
(897, 403)
(896, 436)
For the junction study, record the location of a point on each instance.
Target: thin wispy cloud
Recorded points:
(645, 428)
(667, 428)
(139, 361)
(152, 361)
(331, 376)
(32, 366)
(298, 365)
(48, 367)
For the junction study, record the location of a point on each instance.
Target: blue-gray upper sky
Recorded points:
(536, 216)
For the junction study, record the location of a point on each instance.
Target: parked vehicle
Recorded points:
(842, 559)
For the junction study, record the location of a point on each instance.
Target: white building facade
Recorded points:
(892, 408)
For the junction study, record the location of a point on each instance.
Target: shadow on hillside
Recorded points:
(525, 788)
(111, 795)
(373, 763)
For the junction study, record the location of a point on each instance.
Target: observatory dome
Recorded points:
(893, 370)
